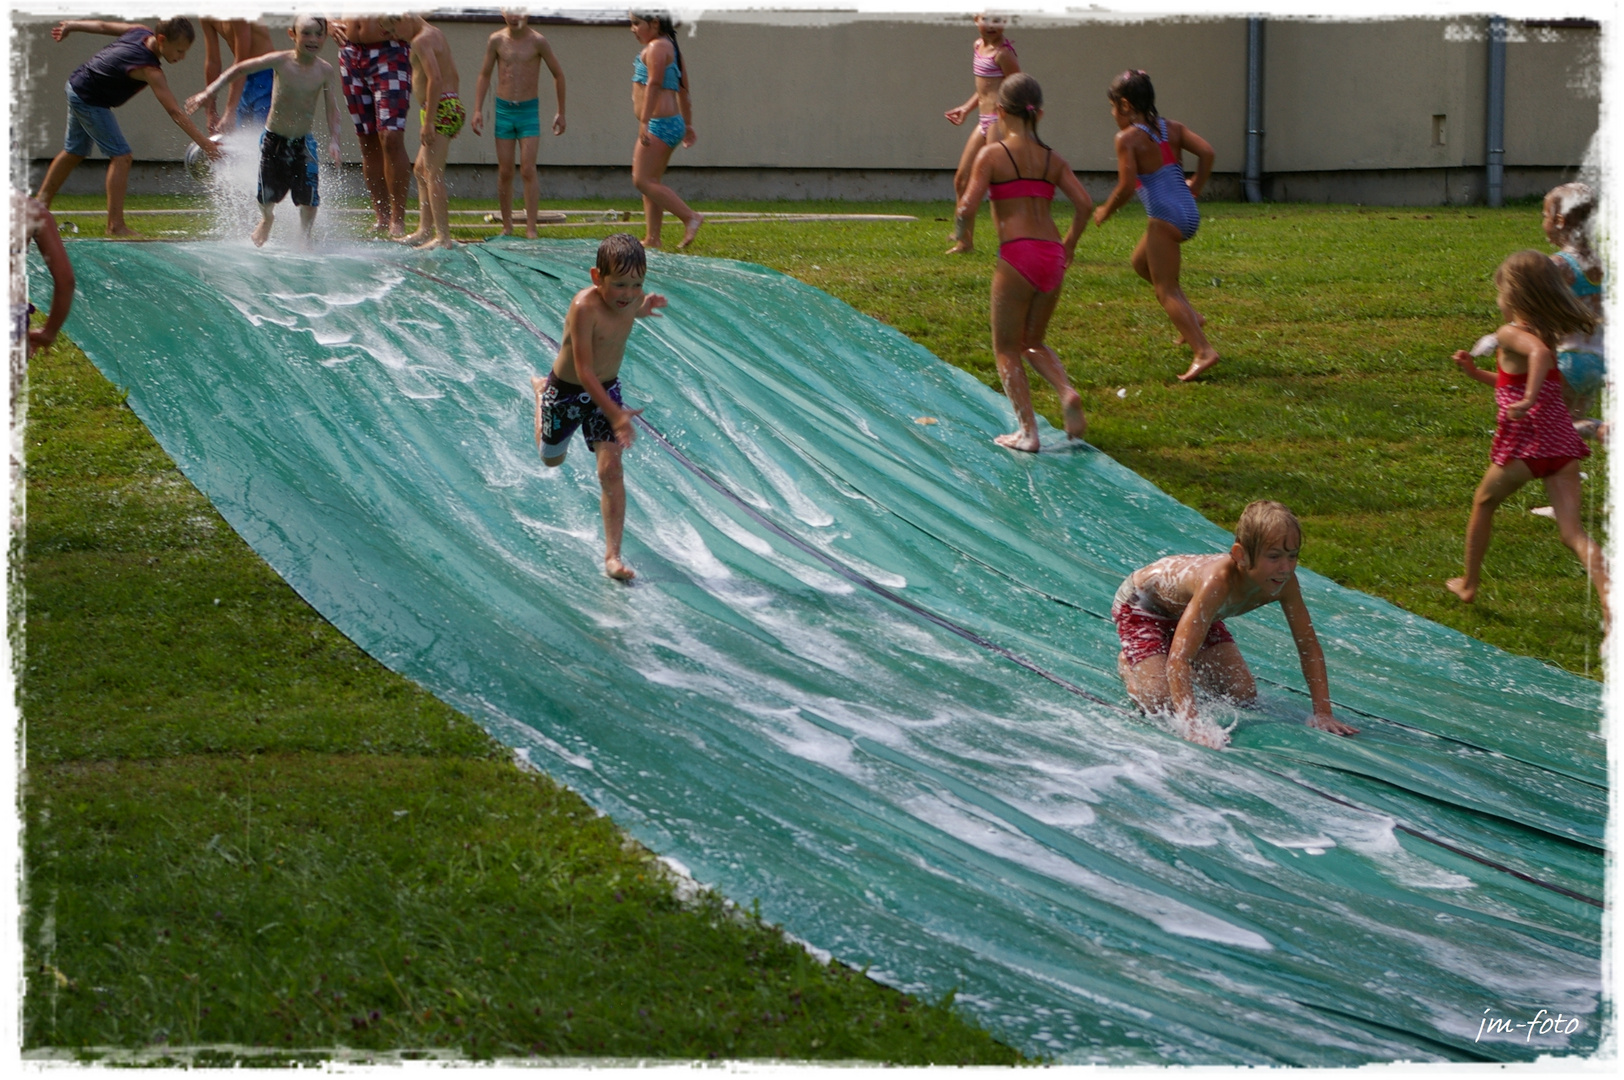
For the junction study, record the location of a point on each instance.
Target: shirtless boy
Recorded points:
(440, 116)
(377, 74)
(517, 54)
(287, 149)
(583, 390)
(1170, 615)
(248, 101)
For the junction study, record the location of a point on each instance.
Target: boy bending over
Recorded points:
(583, 390)
(1170, 615)
(288, 158)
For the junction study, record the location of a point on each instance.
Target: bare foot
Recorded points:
(397, 229)
(261, 233)
(691, 230)
(615, 568)
(654, 244)
(380, 225)
(1019, 440)
(507, 230)
(437, 242)
(1197, 366)
(959, 248)
(409, 238)
(1072, 414)
(1457, 585)
(530, 233)
(125, 230)
(1200, 320)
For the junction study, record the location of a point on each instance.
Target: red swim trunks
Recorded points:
(377, 85)
(1145, 635)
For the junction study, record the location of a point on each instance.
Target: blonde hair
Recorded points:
(1536, 293)
(1261, 522)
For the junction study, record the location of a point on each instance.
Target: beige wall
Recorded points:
(868, 92)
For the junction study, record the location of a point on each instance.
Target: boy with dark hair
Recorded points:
(103, 83)
(583, 389)
(515, 54)
(1169, 616)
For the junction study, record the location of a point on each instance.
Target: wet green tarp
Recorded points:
(866, 674)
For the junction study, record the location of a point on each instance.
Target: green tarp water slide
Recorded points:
(866, 674)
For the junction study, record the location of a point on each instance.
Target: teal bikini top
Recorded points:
(1582, 286)
(672, 79)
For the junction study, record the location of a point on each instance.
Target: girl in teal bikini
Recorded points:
(661, 104)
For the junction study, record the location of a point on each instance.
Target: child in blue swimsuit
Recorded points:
(1148, 150)
(1569, 210)
(664, 114)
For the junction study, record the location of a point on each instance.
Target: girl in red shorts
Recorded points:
(1533, 435)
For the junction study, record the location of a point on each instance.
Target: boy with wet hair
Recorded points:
(583, 389)
(288, 161)
(1169, 617)
(516, 54)
(103, 83)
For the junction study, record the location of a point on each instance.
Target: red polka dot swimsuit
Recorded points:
(1544, 437)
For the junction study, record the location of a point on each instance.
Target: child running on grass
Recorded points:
(516, 54)
(1169, 616)
(288, 157)
(103, 83)
(992, 60)
(1569, 210)
(440, 117)
(1021, 173)
(1533, 435)
(583, 389)
(1149, 150)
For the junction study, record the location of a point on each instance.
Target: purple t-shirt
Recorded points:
(104, 79)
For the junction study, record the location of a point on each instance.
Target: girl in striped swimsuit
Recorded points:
(1533, 435)
(1149, 149)
(992, 61)
(1020, 173)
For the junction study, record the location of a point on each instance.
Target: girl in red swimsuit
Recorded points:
(1020, 174)
(1533, 435)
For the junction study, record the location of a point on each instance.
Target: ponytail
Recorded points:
(1020, 96)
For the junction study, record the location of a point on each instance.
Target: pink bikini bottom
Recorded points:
(1041, 262)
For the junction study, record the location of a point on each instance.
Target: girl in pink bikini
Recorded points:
(993, 60)
(1020, 174)
(1533, 435)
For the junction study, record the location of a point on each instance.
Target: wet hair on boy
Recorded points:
(1266, 520)
(621, 253)
(178, 28)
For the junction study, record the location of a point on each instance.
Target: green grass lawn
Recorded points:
(241, 830)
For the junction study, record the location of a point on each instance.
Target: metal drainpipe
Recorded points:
(1254, 110)
(1496, 156)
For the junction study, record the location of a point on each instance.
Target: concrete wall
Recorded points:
(851, 105)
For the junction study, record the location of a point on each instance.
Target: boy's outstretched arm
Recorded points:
(1312, 658)
(154, 77)
(651, 303)
(94, 26)
(1187, 639)
(241, 67)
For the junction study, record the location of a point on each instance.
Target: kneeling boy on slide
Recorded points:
(1170, 615)
(288, 158)
(583, 390)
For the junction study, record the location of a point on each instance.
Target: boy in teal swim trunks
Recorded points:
(435, 85)
(516, 53)
(583, 389)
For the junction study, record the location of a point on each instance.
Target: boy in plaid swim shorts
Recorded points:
(1169, 617)
(377, 76)
(583, 389)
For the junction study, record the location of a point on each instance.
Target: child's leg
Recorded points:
(307, 221)
(964, 227)
(648, 166)
(55, 176)
(1498, 485)
(1562, 488)
(528, 147)
(1220, 669)
(1047, 364)
(118, 179)
(262, 231)
(372, 171)
(439, 192)
(397, 172)
(613, 483)
(1012, 295)
(1162, 261)
(505, 149)
(1146, 683)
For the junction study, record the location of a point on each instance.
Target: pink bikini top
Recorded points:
(1022, 186)
(987, 66)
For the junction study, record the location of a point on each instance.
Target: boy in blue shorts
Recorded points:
(103, 83)
(516, 53)
(583, 390)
